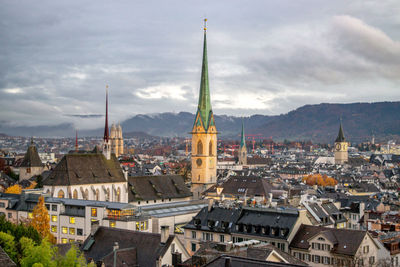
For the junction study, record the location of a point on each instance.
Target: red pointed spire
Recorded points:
(106, 136)
(76, 141)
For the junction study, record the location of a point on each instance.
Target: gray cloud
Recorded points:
(264, 57)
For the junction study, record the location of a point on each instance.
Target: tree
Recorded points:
(14, 189)
(8, 244)
(37, 254)
(73, 258)
(41, 220)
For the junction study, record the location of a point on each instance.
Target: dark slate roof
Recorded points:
(216, 220)
(5, 259)
(358, 161)
(340, 137)
(235, 261)
(318, 210)
(339, 237)
(262, 252)
(75, 169)
(237, 186)
(126, 257)
(148, 245)
(253, 220)
(157, 187)
(32, 158)
(258, 161)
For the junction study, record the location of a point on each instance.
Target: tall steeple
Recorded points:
(341, 146)
(204, 107)
(340, 137)
(106, 133)
(204, 135)
(242, 149)
(106, 138)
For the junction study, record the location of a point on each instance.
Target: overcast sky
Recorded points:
(265, 57)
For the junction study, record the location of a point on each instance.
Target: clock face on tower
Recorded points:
(338, 146)
(198, 162)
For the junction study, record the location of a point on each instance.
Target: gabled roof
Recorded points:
(249, 185)
(339, 237)
(148, 245)
(89, 168)
(31, 158)
(157, 187)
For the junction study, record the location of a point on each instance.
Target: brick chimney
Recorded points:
(164, 234)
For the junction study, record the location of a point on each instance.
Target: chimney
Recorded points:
(94, 226)
(164, 234)
(228, 262)
(116, 246)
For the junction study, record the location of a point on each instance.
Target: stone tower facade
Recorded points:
(341, 146)
(117, 142)
(243, 149)
(204, 136)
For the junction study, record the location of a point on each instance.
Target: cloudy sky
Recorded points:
(265, 57)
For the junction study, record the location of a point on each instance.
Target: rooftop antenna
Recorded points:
(76, 141)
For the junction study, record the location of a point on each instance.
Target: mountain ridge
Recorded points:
(318, 123)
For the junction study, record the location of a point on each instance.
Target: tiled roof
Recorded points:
(339, 237)
(31, 158)
(148, 245)
(75, 169)
(157, 187)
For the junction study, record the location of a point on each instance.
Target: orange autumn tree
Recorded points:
(320, 180)
(41, 220)
(15, 189)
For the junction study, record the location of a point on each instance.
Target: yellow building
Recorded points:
(204, 136)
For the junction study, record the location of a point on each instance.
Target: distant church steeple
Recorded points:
(204, 134)
(341, 146)
(243, 148)
(106, 137)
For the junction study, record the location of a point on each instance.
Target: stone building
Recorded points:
(31, 165)
(341, 146)
(117, 141)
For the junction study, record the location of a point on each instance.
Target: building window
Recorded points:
(94, 212)
(108, 194)
(366, 249)
(193, 234)
(193, 247)
(54, 207)
(371, 260)
(64, 230)
(221, 238)
(2, 205)
(210, 148)
(9, 215)
(30, 215)
(71, 240)
(54, 228)
(72, 231)
(53, 218)
(75, 194)
(64, 240)
(118, 195)
(60, 194)
(47, 206)
(79, 231)
(97, 195)
(207, 236)
(72, 220)
(199, 147)
(112, 224)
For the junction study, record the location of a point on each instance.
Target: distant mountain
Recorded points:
(319, 123)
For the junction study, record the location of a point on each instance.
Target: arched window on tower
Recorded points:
(61, 194)
(108, 194)
(118, 195)
(199, 147)
(210, 148)
(75, 194)
(86, 196)
(97, 195)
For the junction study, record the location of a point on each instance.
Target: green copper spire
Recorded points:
(204, 107)
(242, 137)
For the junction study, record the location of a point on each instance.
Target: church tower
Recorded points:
(243, 148)
(341, 155)
(204, 135)
(106, 138)
(120, 140)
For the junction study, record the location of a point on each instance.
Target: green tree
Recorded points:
(73, 258)
(8, 244)
(37, 254)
